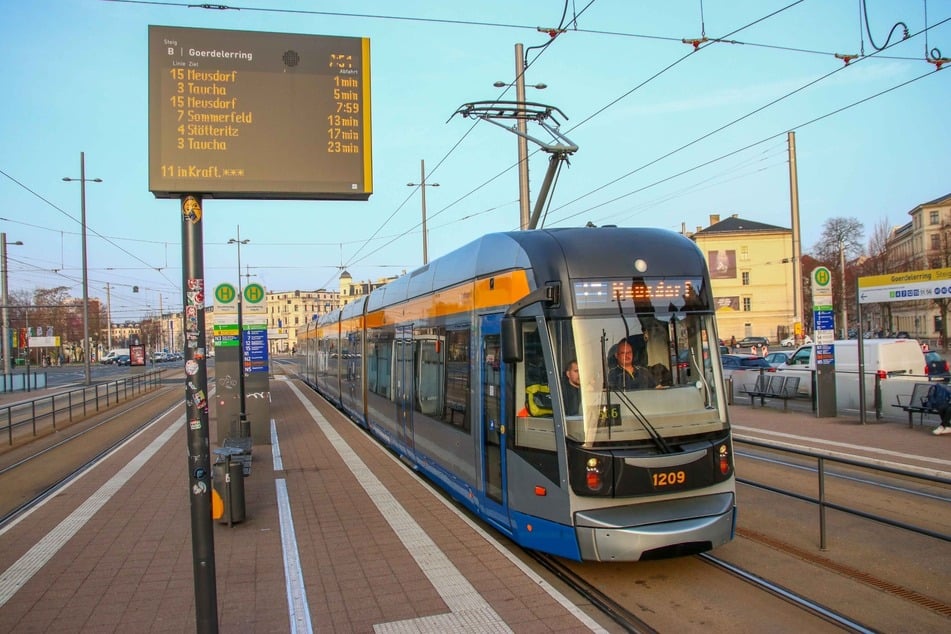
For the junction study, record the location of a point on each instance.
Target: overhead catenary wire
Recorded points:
(376, 236)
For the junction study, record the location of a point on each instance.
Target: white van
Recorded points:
(898, 363)
(110, 357)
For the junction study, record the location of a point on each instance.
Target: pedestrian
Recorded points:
(938, 399)
(733, 345)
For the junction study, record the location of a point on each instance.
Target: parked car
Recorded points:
(123, 359)
(937, 365)
(733, 362)
(749, 342)
(777, 359)
(790, 342)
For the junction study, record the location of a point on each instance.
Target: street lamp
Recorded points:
(82, 194)
(522, 127)
(422, 184)
(7, 367)
(242, 416)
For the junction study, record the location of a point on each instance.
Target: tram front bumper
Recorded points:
(671, 527)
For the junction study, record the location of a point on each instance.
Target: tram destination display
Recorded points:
(242, 114)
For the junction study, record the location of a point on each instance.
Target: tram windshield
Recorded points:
(638, 377)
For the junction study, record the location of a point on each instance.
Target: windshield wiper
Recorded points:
(639, 416)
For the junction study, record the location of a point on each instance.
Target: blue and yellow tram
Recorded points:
(460, 368)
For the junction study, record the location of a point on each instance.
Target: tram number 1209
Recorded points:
(663, 479)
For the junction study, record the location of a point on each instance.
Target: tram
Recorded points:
(460, 368)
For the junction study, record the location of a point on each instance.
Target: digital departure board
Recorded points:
(242, 114)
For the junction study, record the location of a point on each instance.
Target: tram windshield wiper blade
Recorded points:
(646, 424)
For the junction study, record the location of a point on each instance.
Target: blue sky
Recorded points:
(76, 80)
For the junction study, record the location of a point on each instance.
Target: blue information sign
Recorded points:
(825, 320)
(255, 350)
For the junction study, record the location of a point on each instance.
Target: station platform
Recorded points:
(338, 535)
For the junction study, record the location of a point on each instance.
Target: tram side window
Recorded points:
(379, 362)
(534, 438)
(430, 368)
(532, 392)
(456, 411)
(443, 375)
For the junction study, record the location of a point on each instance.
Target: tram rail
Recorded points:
(822, 459)
(32, 472)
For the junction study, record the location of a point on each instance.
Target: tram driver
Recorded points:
(626, 375)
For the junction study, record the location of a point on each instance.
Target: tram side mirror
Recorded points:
(511, 341)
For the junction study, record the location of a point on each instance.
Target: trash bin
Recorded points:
(227, 478)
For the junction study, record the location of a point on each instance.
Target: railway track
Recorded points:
(34, 472)
(808, 605)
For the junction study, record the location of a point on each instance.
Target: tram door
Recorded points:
(403, 386)
(493, 427)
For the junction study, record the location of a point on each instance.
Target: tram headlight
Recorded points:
(594, 474)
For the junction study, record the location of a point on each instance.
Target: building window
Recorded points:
(745, 254)
(747, 304)
(746, 278)
(935, 241)
(935, 217)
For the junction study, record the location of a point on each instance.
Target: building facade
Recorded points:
(922, 243)
(751, 273)
(289, 310)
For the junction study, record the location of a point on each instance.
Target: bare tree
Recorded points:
(840, 235)
(878, 247)
(50, 309)
(878, 263)
(842, 240)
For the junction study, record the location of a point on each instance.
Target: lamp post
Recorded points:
(242, 416)
(82, 194)
(422, 186)
(845, 315)
(7, 367)
(109, 313)
(522, 127)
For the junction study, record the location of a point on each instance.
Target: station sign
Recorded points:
(821, 286)
(823, 316)
(226, 299)
(254, 299)
(912, 285)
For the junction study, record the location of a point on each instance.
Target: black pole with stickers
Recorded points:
(196, 416)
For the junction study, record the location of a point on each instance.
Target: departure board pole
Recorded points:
(196, 417)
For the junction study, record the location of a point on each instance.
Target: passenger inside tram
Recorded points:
(571, 388)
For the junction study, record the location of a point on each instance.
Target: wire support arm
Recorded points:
(526, 111)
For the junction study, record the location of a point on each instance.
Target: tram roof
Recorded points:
(578, 252)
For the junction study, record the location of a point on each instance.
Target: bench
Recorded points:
(772, 385)
(915, 403)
